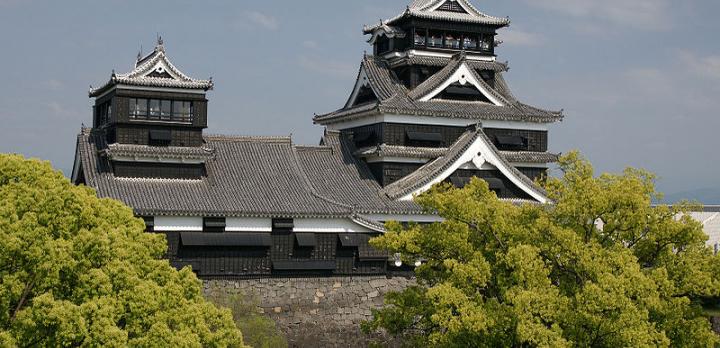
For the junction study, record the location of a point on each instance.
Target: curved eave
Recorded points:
(434, 15)
(378, 109)
(198, 85)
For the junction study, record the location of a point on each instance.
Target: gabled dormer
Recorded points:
(154, 104)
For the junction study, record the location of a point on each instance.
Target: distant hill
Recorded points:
(709, 196)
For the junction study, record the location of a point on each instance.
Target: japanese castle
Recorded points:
(430, 105)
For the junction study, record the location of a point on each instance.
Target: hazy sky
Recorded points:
(639, 80)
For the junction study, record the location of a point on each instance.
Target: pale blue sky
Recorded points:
(639, 80)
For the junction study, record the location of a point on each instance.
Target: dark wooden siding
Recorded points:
(387, 173)
(534, 173)
(139, 134)
(509, 190)
(396, 134)
(536, 140)
(209, 262)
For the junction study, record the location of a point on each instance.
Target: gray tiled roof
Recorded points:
(401, 151)
(140, 75)
(530, 157)
(423, 9)
(395, 98)
(431, 170)
(336, 173)
(250, 176)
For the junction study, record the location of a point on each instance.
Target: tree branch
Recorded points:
(23, 298)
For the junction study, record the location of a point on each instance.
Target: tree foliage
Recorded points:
(76, 270)
(599, 267)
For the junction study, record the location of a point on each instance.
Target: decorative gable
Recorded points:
(154, 70)
(463, 85)
(363, 91)
(451, 6)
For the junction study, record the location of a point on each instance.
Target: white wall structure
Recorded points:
(328, 226)
(248, 225)
(178, 223)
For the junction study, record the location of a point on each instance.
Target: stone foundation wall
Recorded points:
(317, 312)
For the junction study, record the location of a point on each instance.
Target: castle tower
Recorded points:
(433, 79)
(152, 119)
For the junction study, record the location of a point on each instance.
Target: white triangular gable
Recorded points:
(160, 64)
(463, 76)
(363, 81)
(481, 154)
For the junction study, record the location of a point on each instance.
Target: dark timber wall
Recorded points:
(396, 134)
(281, 257)
(536, 140)
(387, 173)
(502, 185)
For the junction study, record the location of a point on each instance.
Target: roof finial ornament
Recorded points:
(160, 43)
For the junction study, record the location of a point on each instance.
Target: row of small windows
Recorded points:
(453, 40)
(161, 109)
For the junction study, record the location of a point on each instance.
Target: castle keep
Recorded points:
(429, 105)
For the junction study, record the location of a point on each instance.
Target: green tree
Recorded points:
(76, 270)
(599, 267)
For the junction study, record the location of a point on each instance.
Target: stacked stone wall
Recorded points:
(317, 312)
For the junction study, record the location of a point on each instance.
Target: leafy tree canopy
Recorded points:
(76, 270)
(599, 267)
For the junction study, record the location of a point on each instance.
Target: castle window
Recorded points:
(104, 113)
(154, 108)
(452, 41)
(383, 45)
(182, 109)
(436, 39)
(165, 109)
(470, 43)
(420, 37)
(138, 108)
(486, 42)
